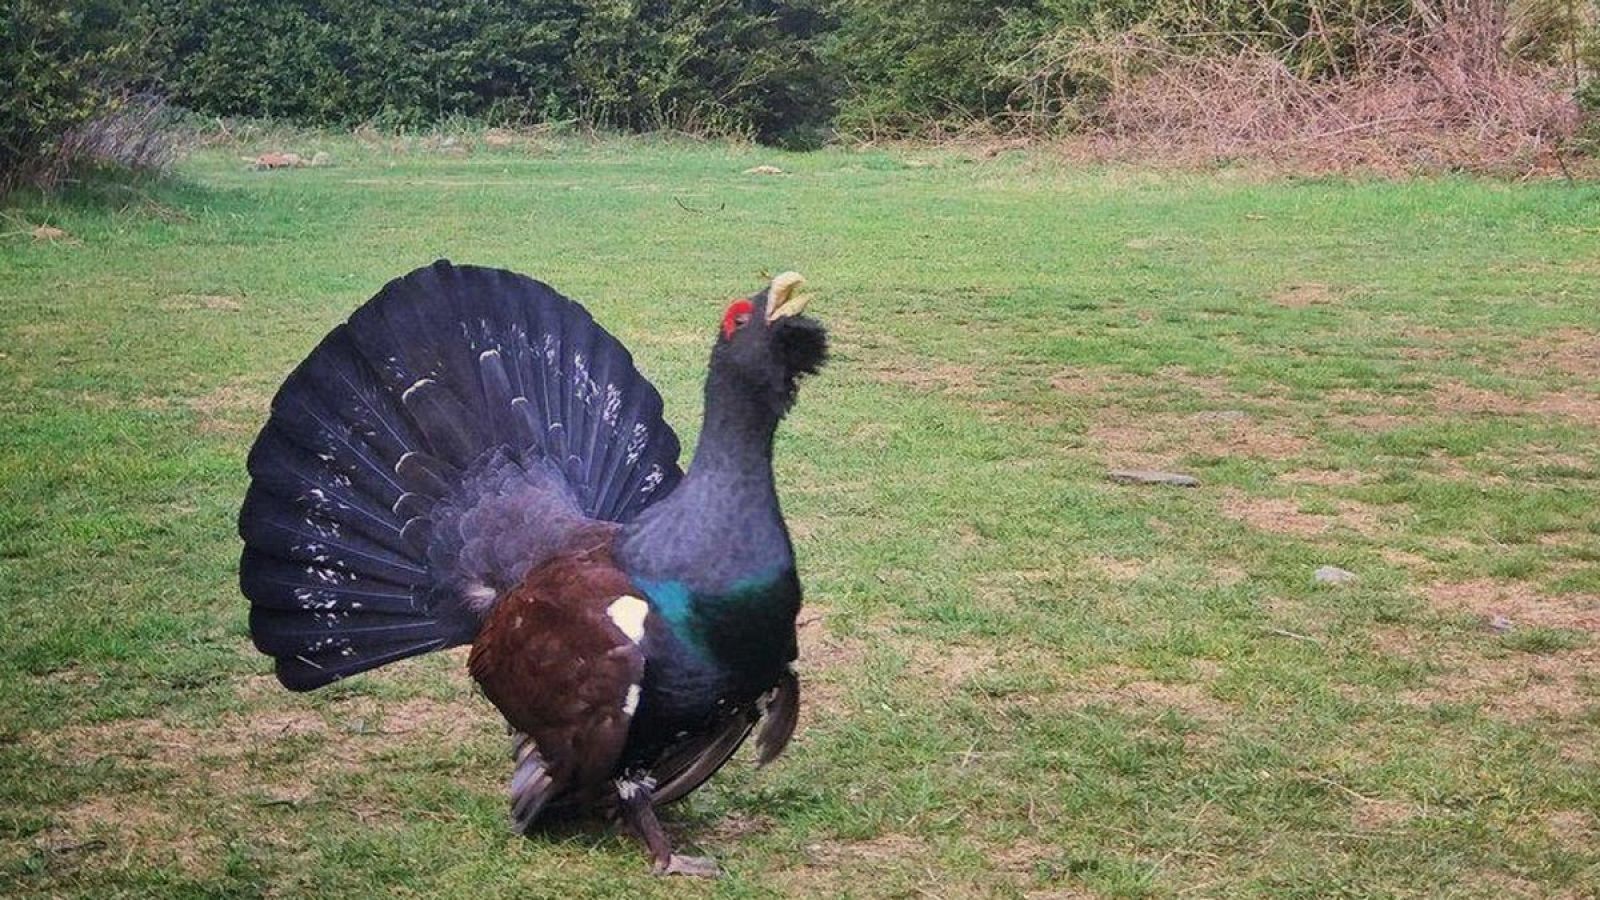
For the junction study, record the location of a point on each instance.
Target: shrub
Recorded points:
(349, 61)
(745, 66)
(139, 133)
(1227, 74)
(915, 66)
(727, 65)
(1432, 85)
(59, 61)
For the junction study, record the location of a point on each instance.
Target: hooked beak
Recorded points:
(783, 299)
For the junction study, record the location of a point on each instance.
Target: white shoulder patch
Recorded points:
(632, 702)
(627, 613)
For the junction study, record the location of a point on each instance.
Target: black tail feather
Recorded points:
(422, 453)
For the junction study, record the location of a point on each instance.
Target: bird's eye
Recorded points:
(737, 316)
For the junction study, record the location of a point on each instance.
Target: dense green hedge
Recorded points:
(54, 59)
(742, 65)
(344, 61)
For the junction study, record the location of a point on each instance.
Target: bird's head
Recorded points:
(766, 346)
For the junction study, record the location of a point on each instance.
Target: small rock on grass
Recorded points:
(1151, 476)
(1500, 624)
(1332, 575)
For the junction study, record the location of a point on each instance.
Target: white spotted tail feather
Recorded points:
(425, 456)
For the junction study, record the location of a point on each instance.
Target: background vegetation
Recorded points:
(1509, 73)
(58, 62)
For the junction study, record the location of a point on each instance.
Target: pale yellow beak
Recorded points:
(783, 297)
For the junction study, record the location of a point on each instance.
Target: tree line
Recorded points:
(787, 72)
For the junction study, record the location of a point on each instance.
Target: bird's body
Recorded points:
(471, 459)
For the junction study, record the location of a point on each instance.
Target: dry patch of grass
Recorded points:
(211, 302)
(1517, 601)
(1511, 685)
(236, 762)
(1502, 884)
(1134, 690)
(1299, 296)
(1405, 559)
(955, 379)
(734, 826)
(1323, 477)
(1117, 569)
(1574, 829)
(137, 826)
(1280, 515)
(351, 727)
(1375, 814)
(883, 848)
(1234, 433)
(1085, 384)
(1573, 352)
(834, 866)
(1061, 893)
(234, 409)
(1369, 411)
(1459, 399)
(1127, 445)
(827, 663)
(949, 665)
(1161, 441)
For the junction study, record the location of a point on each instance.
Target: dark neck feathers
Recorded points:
(722, 524)
(736, 429)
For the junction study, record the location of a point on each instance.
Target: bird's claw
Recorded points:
(693, 866)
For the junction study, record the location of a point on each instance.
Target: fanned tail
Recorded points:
(460, 427)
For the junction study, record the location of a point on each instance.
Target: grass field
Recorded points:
(1023, 679)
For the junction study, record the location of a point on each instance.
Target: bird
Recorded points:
(470, 459)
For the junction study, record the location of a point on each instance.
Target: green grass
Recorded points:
(1024, 679)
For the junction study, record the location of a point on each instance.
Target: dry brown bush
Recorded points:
(1450, 84)
(138, 133)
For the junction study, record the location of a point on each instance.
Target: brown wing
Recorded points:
(552, 660)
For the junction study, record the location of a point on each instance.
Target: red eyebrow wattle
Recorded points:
(735, 309)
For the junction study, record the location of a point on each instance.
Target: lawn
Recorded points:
(1023, 679)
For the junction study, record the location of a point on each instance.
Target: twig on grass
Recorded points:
(696, 210)
(1295, 635)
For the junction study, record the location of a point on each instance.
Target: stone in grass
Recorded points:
(1332, 575)
(1152, 476)
(1499, 624)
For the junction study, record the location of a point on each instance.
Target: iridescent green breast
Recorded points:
(747, 629)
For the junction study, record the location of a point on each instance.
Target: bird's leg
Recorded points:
(639, 815)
